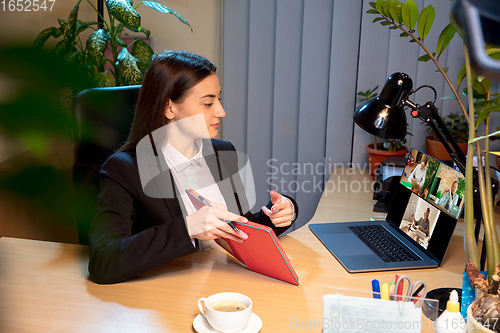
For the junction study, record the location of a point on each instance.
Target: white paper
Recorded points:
(346, 314)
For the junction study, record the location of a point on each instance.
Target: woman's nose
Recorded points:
(220, 113)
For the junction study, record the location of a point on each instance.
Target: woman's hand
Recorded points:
(208, 223)
(281, 212)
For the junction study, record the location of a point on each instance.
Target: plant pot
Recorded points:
(474, 326)
(437, 150)
(375, 157)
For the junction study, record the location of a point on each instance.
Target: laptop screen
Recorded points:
(428, 202)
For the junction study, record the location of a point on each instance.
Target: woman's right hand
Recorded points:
(208, 223)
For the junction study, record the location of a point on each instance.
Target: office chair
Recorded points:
(103, 117)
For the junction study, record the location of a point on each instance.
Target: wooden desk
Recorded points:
(44, 285)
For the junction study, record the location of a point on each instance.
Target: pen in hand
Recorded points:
(231, 224)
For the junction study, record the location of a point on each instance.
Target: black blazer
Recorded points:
(138, 229)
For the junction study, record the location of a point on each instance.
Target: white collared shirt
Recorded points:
(193, 174)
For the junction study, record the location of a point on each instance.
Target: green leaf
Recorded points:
(377, 19)
(483, 87)
(372, 11)
(482, 115)
(124, 12)
(164, 9)
(393, 27)
(80, 27)
(97, 44)
(387, 9)
(482, 103)
(461, 75)
(120, 42)
(410, 14)
(62, 23)
(143, 52)
(90, 22)
(73, 56)
(380, 7)
(129, 70)
(104, 79)
(373, 4)
(61, 49)
(44, 35)
(425, 21)
(475, 94)
(70, 26)
(445, 69)
(385, 23)
(425, 57)
(145, 31)
(497, 101)
(397, 11)
(445, 38)
(403, 34)
(490, 50)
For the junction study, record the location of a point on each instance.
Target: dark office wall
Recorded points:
(291, 72)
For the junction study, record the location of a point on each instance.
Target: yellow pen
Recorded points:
(385, 291)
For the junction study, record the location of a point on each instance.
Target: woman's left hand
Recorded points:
(281, 212)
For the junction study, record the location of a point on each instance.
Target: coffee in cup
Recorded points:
(228, 306)
(226, 312)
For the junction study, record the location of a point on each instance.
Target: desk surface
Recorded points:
(44, 285)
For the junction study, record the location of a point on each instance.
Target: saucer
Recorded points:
(201, 325)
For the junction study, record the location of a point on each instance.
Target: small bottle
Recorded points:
(451, 321)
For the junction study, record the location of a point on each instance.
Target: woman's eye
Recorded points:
(209, 104)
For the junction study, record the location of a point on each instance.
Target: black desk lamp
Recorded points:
(384, 116)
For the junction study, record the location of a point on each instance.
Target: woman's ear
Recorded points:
(169, 110)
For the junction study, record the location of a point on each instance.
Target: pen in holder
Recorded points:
(346, 310)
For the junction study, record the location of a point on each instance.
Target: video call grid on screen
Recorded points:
(435, 182)
(421, 195)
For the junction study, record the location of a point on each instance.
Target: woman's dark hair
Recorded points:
(170, 76)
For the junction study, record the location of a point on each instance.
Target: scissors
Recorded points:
(413, 288)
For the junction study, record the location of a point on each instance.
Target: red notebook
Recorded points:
(261, 252)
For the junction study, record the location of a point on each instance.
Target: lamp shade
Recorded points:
(384, 116)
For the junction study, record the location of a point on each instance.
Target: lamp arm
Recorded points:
(429, 114)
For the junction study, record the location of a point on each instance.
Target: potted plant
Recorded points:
(407, 18)
(379, 151)
(459, 129)
(127, 67)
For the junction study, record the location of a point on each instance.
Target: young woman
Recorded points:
(144, 216)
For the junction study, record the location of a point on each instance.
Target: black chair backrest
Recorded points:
(104, 117)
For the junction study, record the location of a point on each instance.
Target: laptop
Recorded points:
(417, 230)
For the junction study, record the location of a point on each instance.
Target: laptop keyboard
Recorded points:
(385, 245)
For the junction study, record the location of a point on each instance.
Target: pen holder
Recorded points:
(347, 310)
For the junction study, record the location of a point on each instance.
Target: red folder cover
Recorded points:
(261, 252)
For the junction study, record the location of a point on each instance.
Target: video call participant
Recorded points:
(417, 176)
(423, 223)
(449, 197)
(134, 232)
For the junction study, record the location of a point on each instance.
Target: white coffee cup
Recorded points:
(222, 319)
